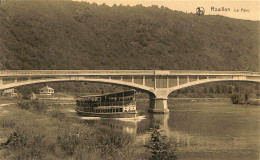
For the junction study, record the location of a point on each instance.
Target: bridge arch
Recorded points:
(105, 81)
(175, 88)
(159, 102)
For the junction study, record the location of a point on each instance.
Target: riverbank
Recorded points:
(195, 100)
(30, 134)
(254, 102)
(189, 99)
(35, 130)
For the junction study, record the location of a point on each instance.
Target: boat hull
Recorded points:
(108, 115)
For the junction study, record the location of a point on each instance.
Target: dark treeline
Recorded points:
(219, 89)
(79, 35)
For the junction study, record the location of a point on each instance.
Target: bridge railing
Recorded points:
(14, 73)
(74, 72)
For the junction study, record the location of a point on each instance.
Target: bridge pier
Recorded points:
(158, 105)
(158, 101)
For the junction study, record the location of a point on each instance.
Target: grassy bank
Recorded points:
(5, 100)
(254, 102)
(33, 130)
(32, 133)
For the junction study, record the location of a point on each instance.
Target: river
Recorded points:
(198, 130)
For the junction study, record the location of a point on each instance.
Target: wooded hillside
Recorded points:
(79, 35)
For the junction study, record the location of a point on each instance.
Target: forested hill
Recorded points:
(79, 35)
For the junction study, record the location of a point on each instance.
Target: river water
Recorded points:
(198, 130)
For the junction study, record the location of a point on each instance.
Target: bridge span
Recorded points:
(158, 83)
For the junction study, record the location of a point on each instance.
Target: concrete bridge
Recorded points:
(158, 83)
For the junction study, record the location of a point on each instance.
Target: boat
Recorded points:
(112, 105)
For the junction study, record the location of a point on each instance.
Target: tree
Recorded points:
(217, 89)
(230, 89)
(223, 89)
(185, 91)
(236, 89)
(192, 90)
(159, 147)
(246, 97)
(237, 98)
(211, 90)
(205, 90)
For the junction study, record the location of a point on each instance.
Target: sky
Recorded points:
(239, 9)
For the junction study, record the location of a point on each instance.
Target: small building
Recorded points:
(46, 91)
(10, 93)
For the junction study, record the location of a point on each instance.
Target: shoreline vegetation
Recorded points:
(33, 130)
(239, 98)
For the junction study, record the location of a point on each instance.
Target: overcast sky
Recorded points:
(190, 6)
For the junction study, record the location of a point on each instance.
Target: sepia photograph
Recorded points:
(129, 79)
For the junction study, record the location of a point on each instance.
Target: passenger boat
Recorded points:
(113, 105)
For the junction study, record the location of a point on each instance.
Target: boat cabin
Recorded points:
(109, 103)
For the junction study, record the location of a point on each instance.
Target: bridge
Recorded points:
(157, 83)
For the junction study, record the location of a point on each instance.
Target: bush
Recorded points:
(58, 115)
(33, 105)
(24, 105)
(7, 123)
(26, 144)
(159, 147)
(239, 98)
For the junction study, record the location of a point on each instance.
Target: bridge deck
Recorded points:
(10, 73)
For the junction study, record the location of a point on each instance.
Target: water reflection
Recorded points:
(160, 121)
(129, 127)
(133, 126)
(203, 130)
